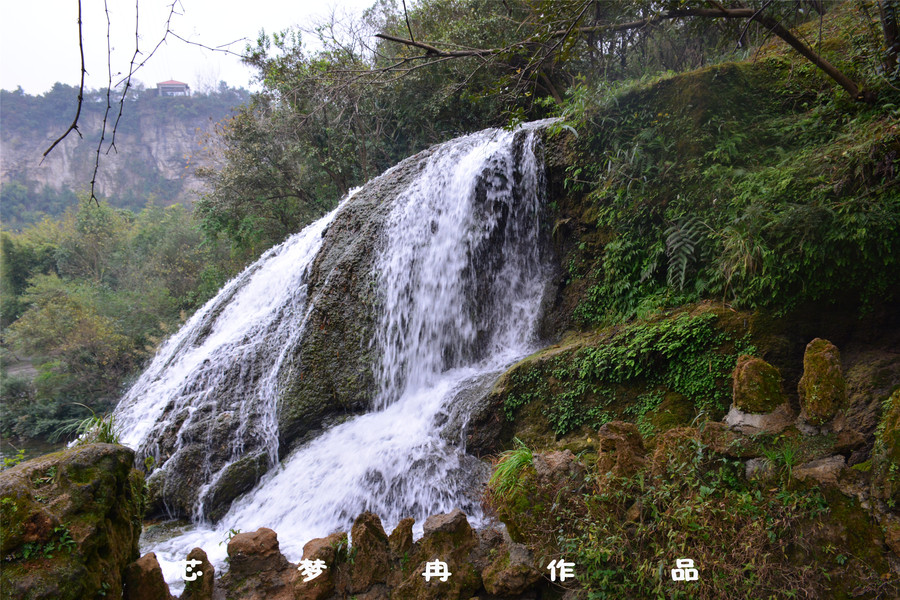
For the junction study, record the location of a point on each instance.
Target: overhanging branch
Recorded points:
(718, 12)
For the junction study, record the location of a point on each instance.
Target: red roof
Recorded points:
(171, 82)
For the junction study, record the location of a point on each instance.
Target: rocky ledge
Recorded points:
(479, 563)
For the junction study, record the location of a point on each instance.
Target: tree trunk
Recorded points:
(888, 10)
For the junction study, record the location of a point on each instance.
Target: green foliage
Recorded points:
(640, 409)
(11, 461)
(784, 456)
(94, 429)
(529, 385)
(328, 120)
(230, 534)
(627, 372)
(683, 240)
(60, 541)
(738, 182)
(749, 539)
(682, 353)
(86, 298)
(506, 480)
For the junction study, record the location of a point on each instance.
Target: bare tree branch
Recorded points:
(74, 125)
(133, 67)
(408, 28)
(108, 102)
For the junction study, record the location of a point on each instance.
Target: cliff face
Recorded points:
(158, 145)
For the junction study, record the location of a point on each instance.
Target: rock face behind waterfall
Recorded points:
(332, 367)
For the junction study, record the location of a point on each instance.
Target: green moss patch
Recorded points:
(659, 374)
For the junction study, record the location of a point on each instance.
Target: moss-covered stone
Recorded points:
(511, 573)
(886, 453)
(371, 553)
(822, 388)
(622, 451)
(756, 385)
(71, 523)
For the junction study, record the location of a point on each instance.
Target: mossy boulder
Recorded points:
(622, 452)
(886, 453)
(822, 388)
(512, 572)
(371, 553)
(71, 522)
(756, 385)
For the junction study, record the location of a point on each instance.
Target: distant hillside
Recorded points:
(159, 143)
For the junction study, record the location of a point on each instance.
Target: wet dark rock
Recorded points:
(331, 368)
(470, 418)
(236, 479)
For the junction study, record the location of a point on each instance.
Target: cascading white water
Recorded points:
(460, 277)
(225, 361)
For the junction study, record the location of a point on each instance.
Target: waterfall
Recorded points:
(460, 272)
(221, 369)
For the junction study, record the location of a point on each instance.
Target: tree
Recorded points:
(554, 28)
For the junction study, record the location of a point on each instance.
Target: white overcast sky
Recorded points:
(39, 38)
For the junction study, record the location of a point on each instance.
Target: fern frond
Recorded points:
(683, 240)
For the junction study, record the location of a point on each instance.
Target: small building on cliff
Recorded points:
(173, 88)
